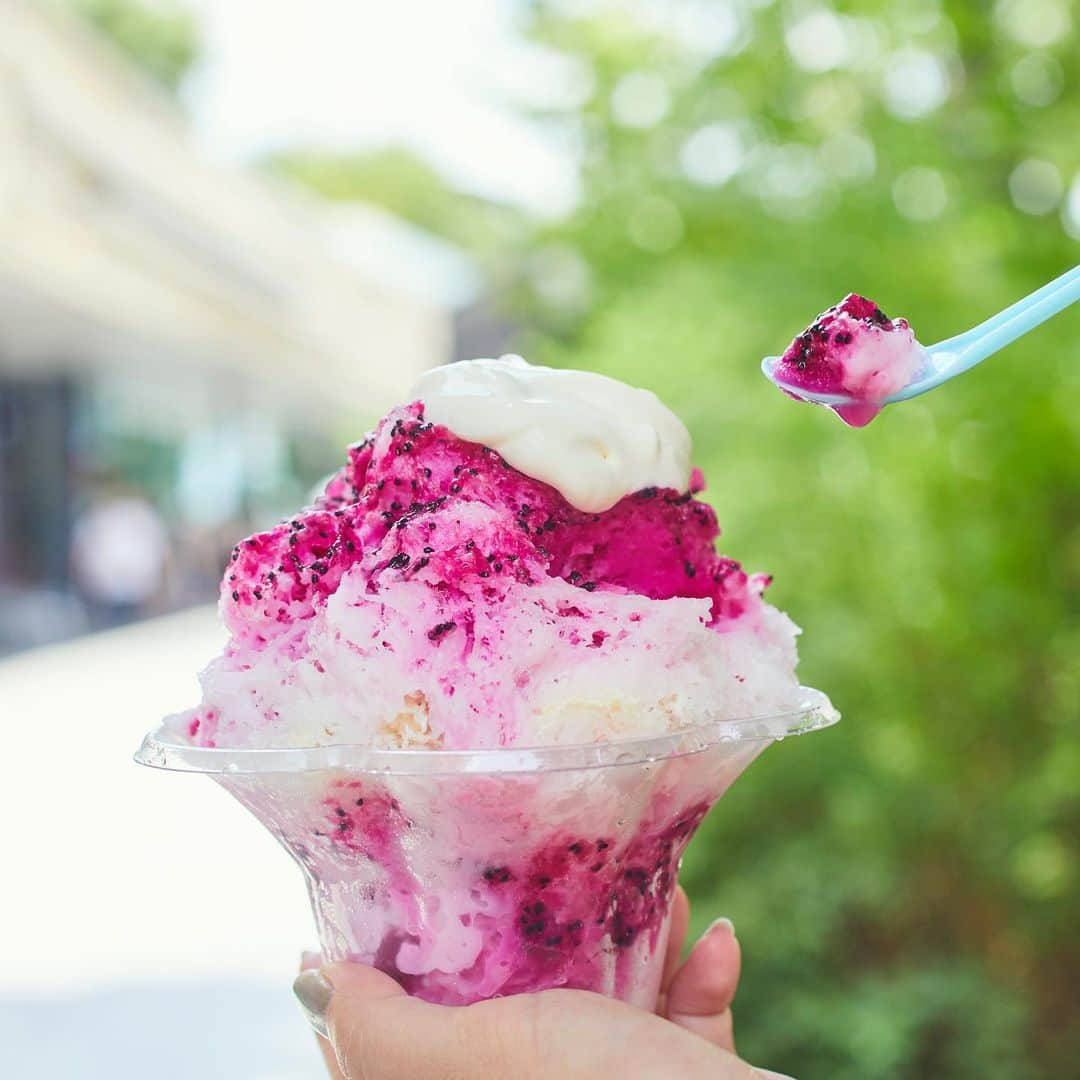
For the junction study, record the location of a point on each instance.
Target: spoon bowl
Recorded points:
(941, 367)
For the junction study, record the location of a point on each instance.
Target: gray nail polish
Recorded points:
(314, 994)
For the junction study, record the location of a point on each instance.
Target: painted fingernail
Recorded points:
(730, 926)
(314, 994)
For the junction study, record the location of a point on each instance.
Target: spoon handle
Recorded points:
(1029, 313)
(960, 342)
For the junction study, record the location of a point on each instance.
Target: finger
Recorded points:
(680, 923)
(379, 1033)
(312, 961)
(699, 998)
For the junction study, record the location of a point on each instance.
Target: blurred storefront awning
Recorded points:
(122, 248)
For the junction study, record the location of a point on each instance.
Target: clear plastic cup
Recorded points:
(467, 875)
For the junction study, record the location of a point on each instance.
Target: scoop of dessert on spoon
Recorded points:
(855, 360)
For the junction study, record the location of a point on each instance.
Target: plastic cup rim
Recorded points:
(159, 751)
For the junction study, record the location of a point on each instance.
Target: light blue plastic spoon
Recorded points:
(961, 353)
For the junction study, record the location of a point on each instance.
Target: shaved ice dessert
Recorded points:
(852, 350)
(485, 689)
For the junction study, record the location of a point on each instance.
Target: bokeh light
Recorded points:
(640, 99)
(920, 193)
(916, 82)
(1037, 23)
(1036, 186)
(1037, 79)
(1071, 215)
(712, 155)
(817, 41)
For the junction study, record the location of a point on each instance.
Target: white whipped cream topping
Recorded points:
(592, 438)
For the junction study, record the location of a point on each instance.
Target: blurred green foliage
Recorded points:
(905, 886)
(400, 181)
(160, 36)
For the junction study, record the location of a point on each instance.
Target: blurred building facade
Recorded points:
(190, 335)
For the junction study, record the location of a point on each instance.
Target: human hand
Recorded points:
(371, 1030)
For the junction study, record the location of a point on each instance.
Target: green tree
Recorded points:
(161, 38)
(905, 885)
(403, 183)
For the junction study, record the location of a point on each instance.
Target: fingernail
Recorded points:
(314, 993)
(727, 923)
(774, 1075)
